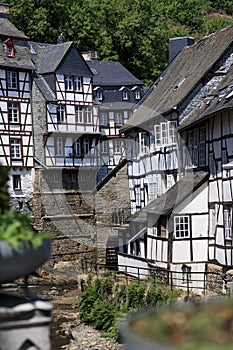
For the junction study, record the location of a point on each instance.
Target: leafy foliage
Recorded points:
(16, 227)
(134, 32)
(104, 301)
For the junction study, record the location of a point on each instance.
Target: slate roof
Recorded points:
(48, 56)
(7, 29)
(111, 74)
(220, 98)
(187, 70)
(175, 195)
(21, 60)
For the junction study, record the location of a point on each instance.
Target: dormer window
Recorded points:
(99, 93)
(137, 92)
(125, 94)
(10, 50)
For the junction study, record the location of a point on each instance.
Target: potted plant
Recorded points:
(22, 249)
(202, 325)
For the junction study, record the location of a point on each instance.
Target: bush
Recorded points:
(104, 301)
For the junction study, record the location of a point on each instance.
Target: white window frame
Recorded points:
(59, 146)
(104, 147)
(99, 94)
(125, 95)
(15, 148)
(118, 118)
(227, 220)
(60, 114)
(77, 147)
(202, 146)
(137, 94)
(12, 80)
(103, 118)
(117, 146)
(86, 145)
(68, 83)
(143, 142)
(79, 114)
(88, 115)
(78, 83)
(165, 133)
(13, 112)
(181, 226)
(16, 182)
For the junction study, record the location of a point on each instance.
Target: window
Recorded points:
(68, 83)
(13, 112)
(165, 133)
(181, 226)
(15, 148)
(79, 114)
(99, 94)
(104, 147)
(212, 220)
(137, 94)
(60, 114)
(12, 80)
(10, 51)
(16, 179)
(86, 146)
(77, 83)
(197, 146)
(117, 146)
(77, 148)
(144, 142)
(227, 219)
(104, 118)
(73, 83)
(59, 148)
(125, 94)
(88, 115)
(118, 118)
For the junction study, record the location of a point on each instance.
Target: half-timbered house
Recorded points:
(183, 218)
(116, 91)
(16, 137)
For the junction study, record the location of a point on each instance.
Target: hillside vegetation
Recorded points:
(134, 32)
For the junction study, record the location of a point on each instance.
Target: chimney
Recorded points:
(4, 10)
(176, 45)
(90, 55)
(61, 39)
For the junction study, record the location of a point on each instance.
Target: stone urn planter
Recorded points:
(202, 326)
(21, 261)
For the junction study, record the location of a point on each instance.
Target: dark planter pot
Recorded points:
(15, 263)
(203, 325)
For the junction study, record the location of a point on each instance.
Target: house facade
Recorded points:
(182, 220)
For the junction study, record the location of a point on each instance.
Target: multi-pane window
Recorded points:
(144, 141)
(73, 83)
(77, 83)
(60, 114)
(16, 181)
(13, 112)
(117, 146)
(181, 227)
(15, 148)
(227, 219)
(59, 146)
(12, 80)
(165, 133)
(104, 147)
(125, 94)
(68, 83)
(118, 118)
(86, 146)
(137, 94)
(99, 94)
(103, 118)
(79, 114)
(197, 146)
(88, 115)
(77, 147)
